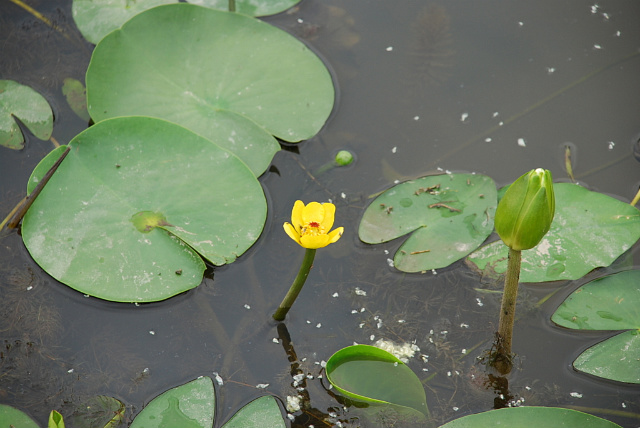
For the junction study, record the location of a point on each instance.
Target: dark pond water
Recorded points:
(493, 87)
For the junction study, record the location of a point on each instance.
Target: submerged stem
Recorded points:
(293, 292)
(503, 358)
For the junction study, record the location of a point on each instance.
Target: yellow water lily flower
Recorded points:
(310, 225)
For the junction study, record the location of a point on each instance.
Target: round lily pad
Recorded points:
(589, 230)
(231, 78)
(22, 102)
(448, 216)
(12, 417)
(136, 204)
(262, 412)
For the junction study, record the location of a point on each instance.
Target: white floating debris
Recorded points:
(594, 8)
(618, 33)
(29, 288)
(360, 292)
(361, 325)
(362, 309)
(576, 395)
(318, 325)
(551, 70)
(597, 47)
(520, 23)
(389, 48)
(386, 251)
(308, 322)
(394, 149)
(402, 351)
(464, 351)
(396, 181)
(334, 294)
(372, 337)
(418, 117)
(434, 272)
(247, 306)
(151, 332)
(275, 340)
(464, 116)
(402, 321)
(293, 404)
(323, 363)
(449, 374)
(300, 21)
(343, 195)
(611, 145)
(479, 301)
(291, 417)
(522, 142)
(262, 385)
(487, 140)
(464, 325)
(390, 262)
(354, 311)
(218, 378)
(455, 409)
(70, 371)
(495, 114)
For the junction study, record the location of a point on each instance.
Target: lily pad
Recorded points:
(191, 405)
(10, 416)
(589, 230)
(526, 417)
(97, 18)
(447, 215)
(142, 198)
(22, 102)
(98, 412)
(262, 412)
(609, 303)
(229, 77)
(368, 374)
(250, 7)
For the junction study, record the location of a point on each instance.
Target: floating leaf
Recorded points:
(262, 412)
(97, 18)
(527, 417)
(231, 78)
(250, 7)
(609, 303)
(140, 197)
(448, 215)
(589, 230)
(30, 107)
(76, 95)
(371, 375)
(191, 405)
(13, 417)
(615, 358)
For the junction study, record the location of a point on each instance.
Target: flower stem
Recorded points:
(293, 292)
(503, 361)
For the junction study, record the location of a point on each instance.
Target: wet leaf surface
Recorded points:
(31, 108)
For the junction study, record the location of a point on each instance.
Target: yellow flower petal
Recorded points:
(314, 242)
(335, 234)
(291, 231)
(296, 215)
(329, 215)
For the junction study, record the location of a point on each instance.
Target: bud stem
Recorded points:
(503, 361)
(293, 292)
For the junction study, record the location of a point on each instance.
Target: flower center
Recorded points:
(313, 228)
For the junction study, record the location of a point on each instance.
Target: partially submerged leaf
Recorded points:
(448, 215)
(250, 7)
(231, 78)
(527, 417)
(262, 412)
(191, 405)
(609, 303)
(98, 412)
(76, 95)
(368, 374)
(589, 230)
(97, 18)
(206, 203)
(30, 107)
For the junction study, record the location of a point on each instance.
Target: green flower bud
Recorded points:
(344, 158)
(526, 210)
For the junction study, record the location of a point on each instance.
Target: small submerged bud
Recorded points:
(525, 213)
(344, 158)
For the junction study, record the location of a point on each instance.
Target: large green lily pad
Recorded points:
(229, 77)
(135, 205)
(609, 303)
(447, 215)
(22, 102)
(589, 230)
(191, 405)
(368, 374)
(527, 417)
